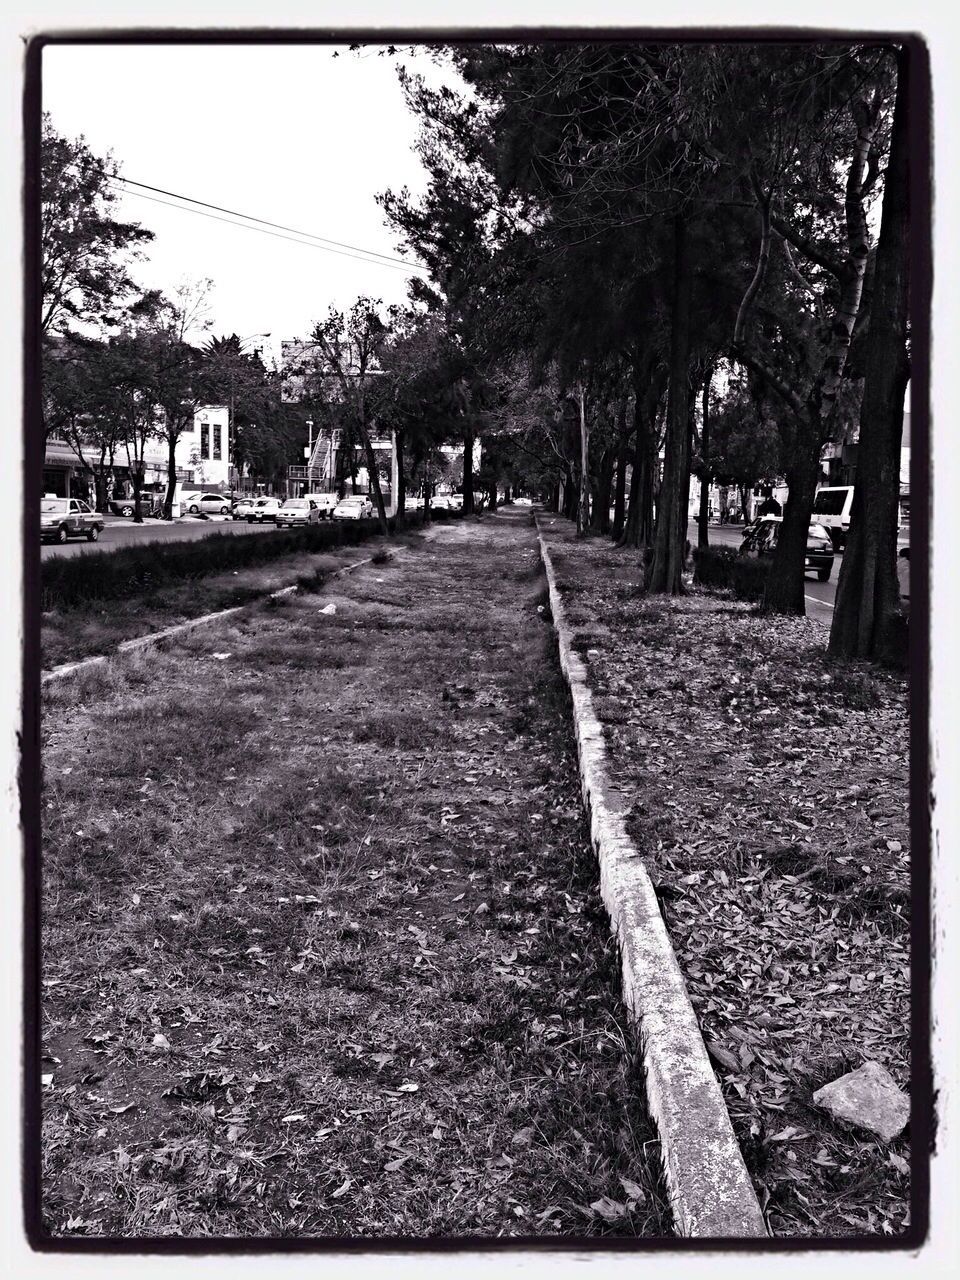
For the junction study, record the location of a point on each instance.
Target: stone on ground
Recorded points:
(869, 1098)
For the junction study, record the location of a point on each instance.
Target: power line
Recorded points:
(263, 222)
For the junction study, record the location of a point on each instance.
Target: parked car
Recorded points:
(208, 504)
(413, 502)
(63, 518)
(297, 511)
(325, 503)
(242, 508)
(214, 504)
(455, 502)
(263, 509)
(188, 500)
(760, 539)
(440, 502)
(127, 506)
(354, 507)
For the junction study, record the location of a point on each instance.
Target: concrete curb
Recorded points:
(710, 1191)
(141, 642)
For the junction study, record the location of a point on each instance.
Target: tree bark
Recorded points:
(601, 507)
(620, 491)
(785, 589)
(171, 478)
(583, 504)
(703, 524)
(401, 481)
(666, 570)
(468, 472)
(866, 619)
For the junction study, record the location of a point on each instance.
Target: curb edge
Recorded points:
(710, 1190)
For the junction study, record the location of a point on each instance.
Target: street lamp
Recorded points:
(231, 468)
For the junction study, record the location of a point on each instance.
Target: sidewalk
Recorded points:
(323, 946)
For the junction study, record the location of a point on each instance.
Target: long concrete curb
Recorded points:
(710, 1191)
(141, 642)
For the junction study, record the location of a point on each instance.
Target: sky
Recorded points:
(292, 135)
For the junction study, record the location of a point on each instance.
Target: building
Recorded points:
(203, 461)
(203, 451)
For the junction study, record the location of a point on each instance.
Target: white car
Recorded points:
(243, 507)
(413, 503)
(440, 502)
(325, 503)
(263, 509)
(297, 511)
(355, 507)
(210, 504)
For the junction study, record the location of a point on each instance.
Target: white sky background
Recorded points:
(290, 134)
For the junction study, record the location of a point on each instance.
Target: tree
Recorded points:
(350, 346)
(866, 615)
(85, 251)
(175, 378)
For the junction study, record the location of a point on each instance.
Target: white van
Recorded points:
(831, 508)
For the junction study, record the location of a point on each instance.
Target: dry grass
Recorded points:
(97, 628)
(322, 946)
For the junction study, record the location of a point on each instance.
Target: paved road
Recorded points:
(119, 532)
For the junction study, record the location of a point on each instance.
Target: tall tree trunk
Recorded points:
(374, 475)
(785, 589)
(666, 570)
(620, 490)
(583, 504)
(570, 495)
(137, 476)
(468, 472)
(703, 526)
(601, 507)
(171, 477)
(865, 619)
(401, 481)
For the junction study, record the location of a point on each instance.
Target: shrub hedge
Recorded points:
(745, 576)
(67, 582)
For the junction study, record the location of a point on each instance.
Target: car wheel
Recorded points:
(93, 534)
(62, 533)
(126, 511)
(824, 574)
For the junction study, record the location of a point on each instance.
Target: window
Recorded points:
(204, 440)
(82, 506)
(216, 441)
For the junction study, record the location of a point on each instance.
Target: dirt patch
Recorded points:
(323, 949)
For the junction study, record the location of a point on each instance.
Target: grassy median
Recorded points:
(323, 951)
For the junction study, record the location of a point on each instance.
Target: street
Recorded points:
(820, 596)
(120, 532)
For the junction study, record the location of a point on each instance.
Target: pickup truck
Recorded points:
(63, 518)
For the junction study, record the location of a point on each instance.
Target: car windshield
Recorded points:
(53, 504)
(817, 531)
(829, 502)
(296, 502)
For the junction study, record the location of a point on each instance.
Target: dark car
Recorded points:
(760, 539)
(127, 506)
